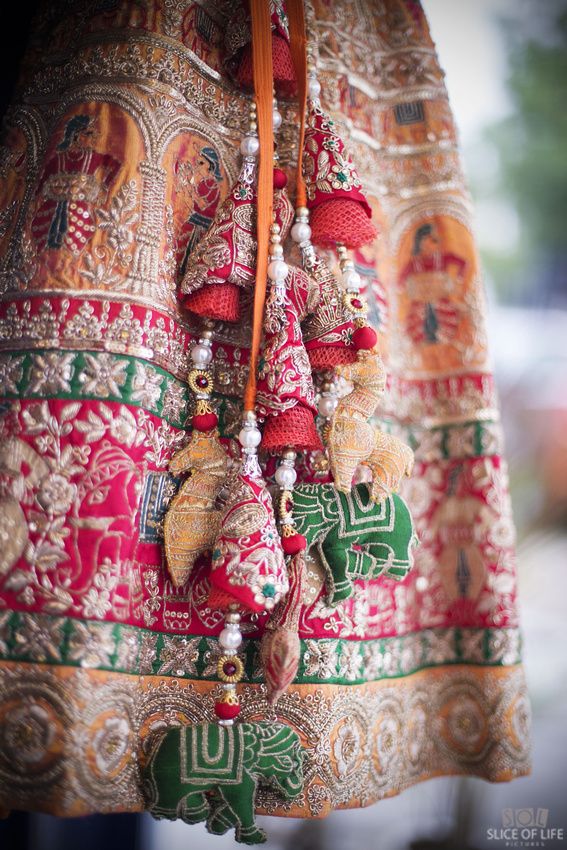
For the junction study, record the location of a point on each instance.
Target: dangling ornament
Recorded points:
(328, 331)
(248, 561)
(239, 50)
(352, 438)
(280, 647)
(285, 396)
(223, 261)
(193, 518)
(340, 212)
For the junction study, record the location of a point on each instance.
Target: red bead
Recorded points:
(364, 338)
(356, 302)
(293, 545)
(205, 421)
(227, 710)
(229, 669)
(202, 381)
(280, 179)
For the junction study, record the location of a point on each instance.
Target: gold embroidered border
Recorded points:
(71, 741)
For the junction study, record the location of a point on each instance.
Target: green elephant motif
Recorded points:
(353, 536)
(210, 772)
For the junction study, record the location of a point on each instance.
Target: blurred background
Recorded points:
(506, 66)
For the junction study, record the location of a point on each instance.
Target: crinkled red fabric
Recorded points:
(293, 428)
(329, 356)
(341, 220)
(220, 301)
(284, 74)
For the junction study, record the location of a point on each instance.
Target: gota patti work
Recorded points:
(122, 143)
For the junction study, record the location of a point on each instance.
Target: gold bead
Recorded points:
(230, 678)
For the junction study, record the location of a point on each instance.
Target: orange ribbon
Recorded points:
(263, 87)
(298, 46)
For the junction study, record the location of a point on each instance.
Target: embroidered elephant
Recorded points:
(352, 439)
(354, 537)
(209, 772)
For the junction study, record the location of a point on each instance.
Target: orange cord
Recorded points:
(298, 46)
(263, 88)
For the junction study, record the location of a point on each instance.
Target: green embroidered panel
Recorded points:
(94, 375)
(128, 649)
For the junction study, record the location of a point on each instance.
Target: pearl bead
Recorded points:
(285, 476)
(249, 146)
(351, 279)
(300, 232)
(302, 213)
(201, 355)
(327, 405)
(250, 438)
(276, 250)
(276, 119)
(314, 88)
(230, 638)
(278, 270)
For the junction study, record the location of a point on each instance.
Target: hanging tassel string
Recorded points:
(263, 87)
(298, 44)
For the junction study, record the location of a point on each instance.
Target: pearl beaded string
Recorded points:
(200, 379)
(364, 337)
(230, 669)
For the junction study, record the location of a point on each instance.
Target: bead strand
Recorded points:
(364, 337)
(285, 477)
(200, 379)
(230, 669)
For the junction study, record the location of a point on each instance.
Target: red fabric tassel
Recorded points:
(341, 220)
(340, 212)
(220, 302)
(326, 357)
(284, 74)
(294, 427)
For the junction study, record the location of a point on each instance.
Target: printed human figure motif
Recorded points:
(74, 182)
(430, 278)
(205, 184)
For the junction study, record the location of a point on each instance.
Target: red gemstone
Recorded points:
(280, 179)
(227, 710)
(293, 545)
(202, 381)
(229, 669)
(356, 302)
(364, 338)
(205, 421)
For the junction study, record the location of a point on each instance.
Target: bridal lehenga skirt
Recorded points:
(122, 140)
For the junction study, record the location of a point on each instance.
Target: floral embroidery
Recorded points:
(51, 372)
(146, 385)
(11, 373)
(103, 375)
